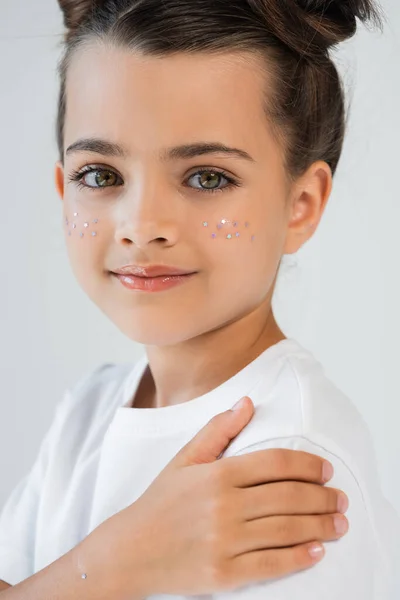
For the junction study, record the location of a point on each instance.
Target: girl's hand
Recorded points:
(206, 525)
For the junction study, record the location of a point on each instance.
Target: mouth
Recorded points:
(154, 283)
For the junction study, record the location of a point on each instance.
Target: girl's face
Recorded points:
(228, 217)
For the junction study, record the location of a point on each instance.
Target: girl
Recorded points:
(198, 140)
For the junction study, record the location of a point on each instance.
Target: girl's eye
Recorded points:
(94, 178)
(209, 180)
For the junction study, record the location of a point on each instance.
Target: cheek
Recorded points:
(245, 253)
(258, 235)
(229, 229)
(232, 247)
(78, 225)
(84, 233)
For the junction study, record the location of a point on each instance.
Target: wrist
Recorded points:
(101, 558)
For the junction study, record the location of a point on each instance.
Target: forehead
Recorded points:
(125, 96)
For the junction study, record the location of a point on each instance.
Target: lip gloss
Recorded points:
(152, 284)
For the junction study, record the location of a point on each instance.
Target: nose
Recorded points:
(142, 235)
(145, 221)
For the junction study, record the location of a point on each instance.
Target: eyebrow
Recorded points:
(185, 151)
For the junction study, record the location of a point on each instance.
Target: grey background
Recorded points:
(339, 296)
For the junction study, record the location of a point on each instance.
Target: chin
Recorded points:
(162, 331)
(150, 337)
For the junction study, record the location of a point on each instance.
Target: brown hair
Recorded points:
(305, 107)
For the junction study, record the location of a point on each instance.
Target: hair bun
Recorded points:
(341, 12)
(311, 27)
(335, 20)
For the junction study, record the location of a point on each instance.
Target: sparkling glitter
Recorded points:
(219, 226)
(213, 235)
(81, 235)
(246, 224)
(253, 238)
(84, 576)
(224, 221)
(205, 224)
(75, 214)
(237, 234)
(95, 221)
(229, 236)
(86, 224)
(73, 226)
(66, 221)
(69, 233)
(235, 223)
(94, 233)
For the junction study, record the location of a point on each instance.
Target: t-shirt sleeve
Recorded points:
(19, 513)
(350, 566)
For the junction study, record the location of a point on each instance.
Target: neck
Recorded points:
(192, 368)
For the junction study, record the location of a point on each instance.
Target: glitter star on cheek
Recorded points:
(220, 224)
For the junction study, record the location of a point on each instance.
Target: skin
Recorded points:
(199, 334)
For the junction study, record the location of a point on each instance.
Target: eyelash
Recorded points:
(77, 176)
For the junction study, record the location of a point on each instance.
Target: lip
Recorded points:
(151, 271)
(152, 284)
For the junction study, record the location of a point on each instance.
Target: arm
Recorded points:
(18, 520)
(4, 586)
(62, 579)
(25, 507)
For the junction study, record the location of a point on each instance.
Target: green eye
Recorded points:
(99, 178)
(209, 180)
(94, 178)
(103, 178)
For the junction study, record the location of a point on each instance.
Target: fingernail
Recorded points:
(327, 471)
(340, 525)
(316, 551)
(239, 404)
(343, 503)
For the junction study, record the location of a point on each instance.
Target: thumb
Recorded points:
(213, 438)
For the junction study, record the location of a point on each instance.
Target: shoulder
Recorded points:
(301, 403)
(294, 397)
(84, 413)
(304, 410)
(328, 415)
(97, 389)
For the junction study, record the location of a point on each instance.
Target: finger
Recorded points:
(210, 442)
(283, 531)
(258, 566)
(276, 464)
(289, 498)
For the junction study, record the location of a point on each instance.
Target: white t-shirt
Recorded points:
(99, 455)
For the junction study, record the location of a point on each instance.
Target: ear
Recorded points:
(59, 179)
(308, 203)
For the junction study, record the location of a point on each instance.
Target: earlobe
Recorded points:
(303, 222)
(59, 179)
